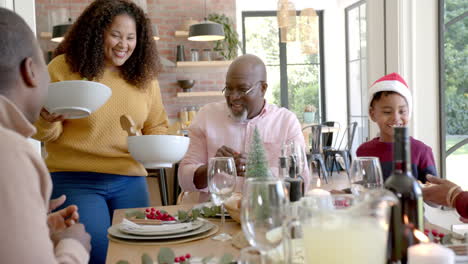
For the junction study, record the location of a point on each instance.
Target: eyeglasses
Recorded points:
(228, 92)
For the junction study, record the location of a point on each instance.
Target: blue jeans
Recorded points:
(97, 195)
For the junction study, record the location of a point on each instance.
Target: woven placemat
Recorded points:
(165, 242)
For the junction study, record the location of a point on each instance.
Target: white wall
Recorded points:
(335, 61)
(425, 70)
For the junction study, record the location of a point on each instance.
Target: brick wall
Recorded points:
(169, 15)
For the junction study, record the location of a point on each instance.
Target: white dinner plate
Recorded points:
(168, 231)
(115, 231)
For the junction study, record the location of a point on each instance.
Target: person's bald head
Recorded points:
(17, 42)
(23, 74)
(248, 64)
(246, 86)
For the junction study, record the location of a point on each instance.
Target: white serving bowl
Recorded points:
(76, 99)
(158, 151)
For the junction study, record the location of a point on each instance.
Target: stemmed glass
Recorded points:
(365, 174)
(221, 183)
(263, 210)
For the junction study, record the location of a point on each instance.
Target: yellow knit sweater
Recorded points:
(97, 143)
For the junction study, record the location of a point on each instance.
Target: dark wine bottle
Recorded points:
(408, 213)
(293, 185)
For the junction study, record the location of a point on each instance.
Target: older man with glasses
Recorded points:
(225, 129)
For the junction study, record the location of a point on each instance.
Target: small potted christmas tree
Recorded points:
(257, 167)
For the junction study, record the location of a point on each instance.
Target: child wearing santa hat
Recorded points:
(390, 105)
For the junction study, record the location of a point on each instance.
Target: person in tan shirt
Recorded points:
(30, 234)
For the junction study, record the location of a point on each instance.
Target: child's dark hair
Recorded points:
(379, 95)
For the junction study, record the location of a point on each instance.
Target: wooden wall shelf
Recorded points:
(181, 34)
(45, 35)
(201, 94)
(187, 64)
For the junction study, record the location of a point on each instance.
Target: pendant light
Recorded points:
(308, 31)
(286, 15)
(206, 31)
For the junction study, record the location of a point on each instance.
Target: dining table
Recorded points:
(132, 252)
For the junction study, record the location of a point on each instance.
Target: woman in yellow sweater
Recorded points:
(111, 43)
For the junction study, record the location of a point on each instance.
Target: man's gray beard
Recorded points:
(239, 118)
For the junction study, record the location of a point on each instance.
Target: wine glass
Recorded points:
(263, 210)
(221, 183)
(365, 174)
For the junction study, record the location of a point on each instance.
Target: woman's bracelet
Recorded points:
(448, 198)
(454, 196)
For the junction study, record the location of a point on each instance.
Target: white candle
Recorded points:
(319, 198)
(430, 253)
(318, 193)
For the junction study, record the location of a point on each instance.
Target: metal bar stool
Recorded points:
(177, 188)
(162, 181)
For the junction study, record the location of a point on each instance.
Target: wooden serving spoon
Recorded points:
(128, 125)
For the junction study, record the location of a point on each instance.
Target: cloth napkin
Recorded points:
(129, 226)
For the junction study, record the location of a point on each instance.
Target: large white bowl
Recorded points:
(76, 99)
(158, 151)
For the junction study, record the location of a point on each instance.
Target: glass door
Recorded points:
(453, 44)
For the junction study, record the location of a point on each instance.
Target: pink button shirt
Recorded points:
(213, 128)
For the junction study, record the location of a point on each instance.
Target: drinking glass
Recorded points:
(250, 255)
(221, 183)
(296, 150)
(263, 212)
(365, 174)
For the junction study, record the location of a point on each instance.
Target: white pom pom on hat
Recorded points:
(392, 82)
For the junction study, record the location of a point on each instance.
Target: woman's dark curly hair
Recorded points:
(84, 43)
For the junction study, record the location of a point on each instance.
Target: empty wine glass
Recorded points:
(263, 210)
(365, 173)
(221, 183)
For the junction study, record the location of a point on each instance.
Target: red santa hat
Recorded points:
(392, 82)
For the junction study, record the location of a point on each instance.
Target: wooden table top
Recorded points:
(199, 248)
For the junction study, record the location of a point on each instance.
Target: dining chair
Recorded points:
(344, 152)
(316, 153)
(330, 132)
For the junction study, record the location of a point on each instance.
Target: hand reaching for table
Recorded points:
(440, 191)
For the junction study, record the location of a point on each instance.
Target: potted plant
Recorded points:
(309, 114)
(227, 47)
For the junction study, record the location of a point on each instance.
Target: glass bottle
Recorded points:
(206, 55)
(194, 54)
(408, 213)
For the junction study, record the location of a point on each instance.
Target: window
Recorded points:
(356, 73)
(453, 47)
(295, 80)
